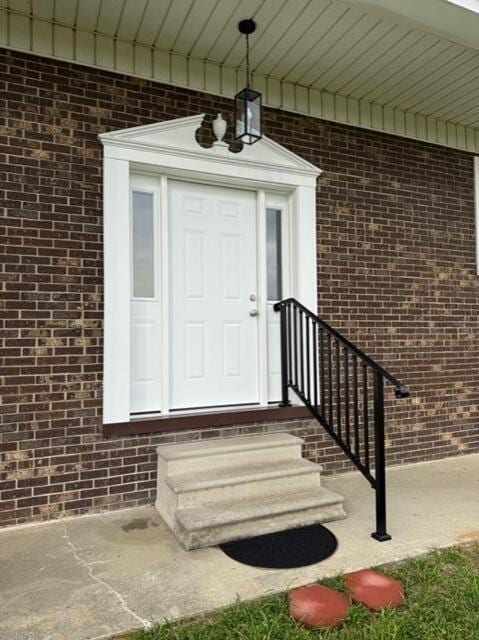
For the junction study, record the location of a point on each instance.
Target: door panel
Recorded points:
(274, 354)
(195, 350)
(145, 369)
(213, 338)
(231, 350)
(194, 254)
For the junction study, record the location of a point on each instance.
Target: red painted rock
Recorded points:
(318, 606)
(375, 590)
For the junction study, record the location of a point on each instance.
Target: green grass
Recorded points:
(442, 590)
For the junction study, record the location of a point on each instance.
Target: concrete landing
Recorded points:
(90, 577)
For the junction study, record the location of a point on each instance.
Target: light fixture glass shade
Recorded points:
(248, 116)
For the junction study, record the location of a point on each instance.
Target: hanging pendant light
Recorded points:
(248, 101)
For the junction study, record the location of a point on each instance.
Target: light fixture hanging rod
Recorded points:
(247, 27)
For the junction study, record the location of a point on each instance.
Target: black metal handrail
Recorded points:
(334, 379)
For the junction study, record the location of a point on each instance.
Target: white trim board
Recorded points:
(169, 149)
(25, 33)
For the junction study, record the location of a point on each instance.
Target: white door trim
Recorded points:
(169, 149)
(262, 325)
(281, 202)
(165, 287)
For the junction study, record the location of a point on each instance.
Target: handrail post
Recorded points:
(380, 459)
(284, 358)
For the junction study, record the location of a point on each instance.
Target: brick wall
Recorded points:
(395, 265)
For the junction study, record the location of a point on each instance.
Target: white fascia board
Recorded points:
(454, 21)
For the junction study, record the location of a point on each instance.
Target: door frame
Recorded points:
(153, 182)
(169, 150)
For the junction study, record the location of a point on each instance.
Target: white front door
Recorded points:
(213, 293)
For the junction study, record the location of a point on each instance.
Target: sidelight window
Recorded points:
(274, 254)
(143, 245)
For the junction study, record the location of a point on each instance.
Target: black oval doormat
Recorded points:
(284, 549)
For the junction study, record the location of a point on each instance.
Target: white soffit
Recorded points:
(409, 68)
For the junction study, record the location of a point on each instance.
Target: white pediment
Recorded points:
(178, 136)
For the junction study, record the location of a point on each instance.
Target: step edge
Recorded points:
(225, 447)
(302, 467)
(330, 499)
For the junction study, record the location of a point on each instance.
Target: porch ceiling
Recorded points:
(410, 68)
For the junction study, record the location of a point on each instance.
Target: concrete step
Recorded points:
(209, 454)
(213, 524)
(218, 490)
(241, 482)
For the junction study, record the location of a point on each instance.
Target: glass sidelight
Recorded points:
(143, 245)
(274, 255)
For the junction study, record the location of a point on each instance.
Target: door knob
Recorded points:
(254, 312)
(252, 297)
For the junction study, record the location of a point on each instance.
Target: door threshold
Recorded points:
(220, 417)
(174, 413)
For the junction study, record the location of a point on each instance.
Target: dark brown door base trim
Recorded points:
(162, 424)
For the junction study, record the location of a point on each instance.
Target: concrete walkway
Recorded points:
(91, 577)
